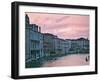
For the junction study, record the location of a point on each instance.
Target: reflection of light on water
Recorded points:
(70, 60)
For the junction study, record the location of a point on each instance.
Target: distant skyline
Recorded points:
(65, 26)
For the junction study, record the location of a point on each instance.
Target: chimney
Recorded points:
(39, 29)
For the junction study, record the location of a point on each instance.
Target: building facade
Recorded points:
(80, 45)
(49, 44)
(33, 41)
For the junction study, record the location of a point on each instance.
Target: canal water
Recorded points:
(69, 60)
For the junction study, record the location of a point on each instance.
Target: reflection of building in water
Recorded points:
(33, 41)
(39, 44)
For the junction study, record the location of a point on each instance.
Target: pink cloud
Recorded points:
(64, 26)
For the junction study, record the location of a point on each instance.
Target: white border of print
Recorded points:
(53, 70)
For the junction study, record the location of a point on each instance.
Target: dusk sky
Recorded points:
(63, 25)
